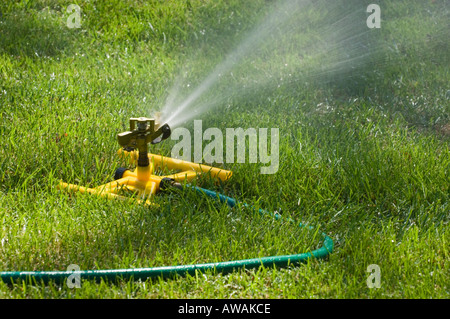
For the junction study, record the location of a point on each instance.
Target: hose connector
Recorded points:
(167, 183)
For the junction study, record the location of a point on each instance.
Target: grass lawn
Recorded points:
(364, 133)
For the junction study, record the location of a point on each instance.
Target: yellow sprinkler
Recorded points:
(141, 181)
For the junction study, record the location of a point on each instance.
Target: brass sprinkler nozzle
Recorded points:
(143, 130)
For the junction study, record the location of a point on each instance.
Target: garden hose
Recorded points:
(182, 270)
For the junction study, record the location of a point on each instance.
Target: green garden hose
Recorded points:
(170, 271)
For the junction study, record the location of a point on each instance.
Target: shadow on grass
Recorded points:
(35, 33)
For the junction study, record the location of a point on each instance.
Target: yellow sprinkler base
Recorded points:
(141, 180)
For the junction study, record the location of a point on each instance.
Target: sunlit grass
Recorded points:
(364, 156)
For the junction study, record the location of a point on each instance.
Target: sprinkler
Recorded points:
(141, 181)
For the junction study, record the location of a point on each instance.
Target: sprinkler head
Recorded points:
(143, 130)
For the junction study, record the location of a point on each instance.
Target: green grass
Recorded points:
(364, 155)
